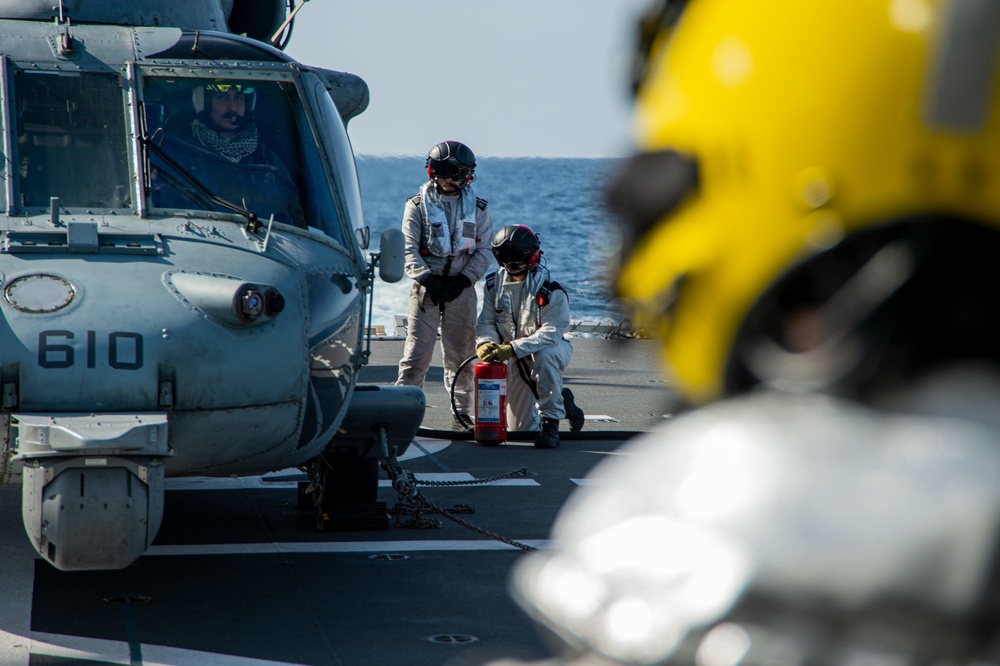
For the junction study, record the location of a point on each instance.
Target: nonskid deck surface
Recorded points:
(240, 575)
(619, 384)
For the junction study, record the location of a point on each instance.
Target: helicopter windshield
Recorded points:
(71, 140)
(245, 143)
(238, 141)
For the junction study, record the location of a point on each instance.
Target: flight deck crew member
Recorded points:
(812, 234)
(525, 314)
(447, 231)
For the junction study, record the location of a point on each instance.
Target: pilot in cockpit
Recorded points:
(225, 153)
(223, 124)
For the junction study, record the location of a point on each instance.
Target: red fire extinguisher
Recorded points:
(491, 402)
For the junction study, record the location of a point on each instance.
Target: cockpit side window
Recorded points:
(245, 143)
(6, 161)
(323, 212)
(70, 140)
(344, 170)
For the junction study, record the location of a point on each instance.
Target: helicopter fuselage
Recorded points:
(176, 299)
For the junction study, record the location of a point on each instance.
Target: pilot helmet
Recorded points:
(219, 85)
(842, 143)
(451, 159)
(517, 248)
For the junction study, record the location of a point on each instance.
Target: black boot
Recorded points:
(574, 414)
(548, 438)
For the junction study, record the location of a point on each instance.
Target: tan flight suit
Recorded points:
(457, 319)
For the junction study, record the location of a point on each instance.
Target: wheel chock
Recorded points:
(368, 517)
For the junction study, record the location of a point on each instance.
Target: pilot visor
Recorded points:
(224, 87)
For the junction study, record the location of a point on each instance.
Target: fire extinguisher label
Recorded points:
(489, 392)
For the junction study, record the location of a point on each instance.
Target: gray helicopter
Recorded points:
(182, 267)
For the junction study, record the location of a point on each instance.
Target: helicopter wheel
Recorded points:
(348, 492)
(347, 478)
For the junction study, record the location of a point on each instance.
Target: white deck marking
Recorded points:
(424, 446)
(290, 480)
(341, 547)
(117, 652)
(463, 476)
(601, 417)
(285, 481)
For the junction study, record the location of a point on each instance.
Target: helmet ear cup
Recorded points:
(198, 99)
(430, 174)
(535, 258)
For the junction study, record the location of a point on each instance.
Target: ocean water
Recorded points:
(559, 198)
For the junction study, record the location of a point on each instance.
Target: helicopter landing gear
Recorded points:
(343, 488)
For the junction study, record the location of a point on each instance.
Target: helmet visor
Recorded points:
(510, 257)
(450, 170)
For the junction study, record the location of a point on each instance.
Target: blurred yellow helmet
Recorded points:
(770, 132)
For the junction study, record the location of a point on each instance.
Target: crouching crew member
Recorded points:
(524, 316)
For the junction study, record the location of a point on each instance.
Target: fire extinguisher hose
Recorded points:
(515, 435)
(462, 418)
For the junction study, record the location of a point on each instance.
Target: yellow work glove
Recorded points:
(503, 353)
(486, 351)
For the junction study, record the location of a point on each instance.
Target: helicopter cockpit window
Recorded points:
(70, 140)
(242, 141)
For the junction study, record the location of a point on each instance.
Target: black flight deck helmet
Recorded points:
(517, 248)
(451, 159)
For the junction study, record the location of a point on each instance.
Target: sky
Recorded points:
(509, 78)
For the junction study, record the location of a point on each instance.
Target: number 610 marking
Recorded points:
(124, 350)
